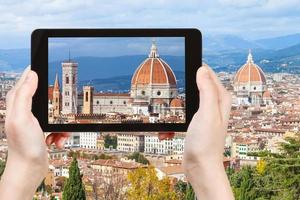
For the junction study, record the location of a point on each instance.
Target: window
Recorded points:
(86, 96)
(143, 92)
(67, 80)
(124, 102)
(111, 102)
(244, 88)
(56, 99)
(73, 80)
(158, 93)
(97, 102)
(254, 88)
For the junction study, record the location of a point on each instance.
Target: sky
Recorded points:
(112, 47)
(249, 19)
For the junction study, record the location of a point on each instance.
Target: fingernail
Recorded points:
(204, 72)
(29, 76)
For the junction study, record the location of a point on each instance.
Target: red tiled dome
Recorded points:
(154, 70)
(176, 103)
(267, 94)
(250, 72)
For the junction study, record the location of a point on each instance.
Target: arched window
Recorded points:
(158, 93)
(67, 80)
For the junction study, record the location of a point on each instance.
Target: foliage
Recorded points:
(261, 167)
(2, 167)
(145, 185)
(138, 157)
(184, 190)
(110, 141)
(74, 188)
(276, 176)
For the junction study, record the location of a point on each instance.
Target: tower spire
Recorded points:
(69, 55)
(153, 50)
(56, 83)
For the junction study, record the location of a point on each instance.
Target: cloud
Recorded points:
(246, 18)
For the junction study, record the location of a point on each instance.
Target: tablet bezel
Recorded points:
(39, 64)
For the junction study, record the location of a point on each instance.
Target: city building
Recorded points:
(130, 142)
(88, 140)
(153, 145)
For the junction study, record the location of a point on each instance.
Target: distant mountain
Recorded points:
(14, 59)
(279, 42)
(91, 68)
(219, 43)
(282, 60)
(121, 84)
(222, 52)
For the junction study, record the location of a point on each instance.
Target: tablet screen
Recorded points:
(110, 80)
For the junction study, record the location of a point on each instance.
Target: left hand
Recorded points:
(27, 162)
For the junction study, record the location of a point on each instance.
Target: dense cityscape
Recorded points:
(263, 136)
(153, 98)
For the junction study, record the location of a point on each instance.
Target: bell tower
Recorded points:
(88, 99)
(56, 98)
(69, 87)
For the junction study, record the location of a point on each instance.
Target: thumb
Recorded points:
(25, 92)
(208, 92)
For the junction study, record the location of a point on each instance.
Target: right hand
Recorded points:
(205, 139)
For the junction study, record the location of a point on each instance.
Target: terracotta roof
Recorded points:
(267, 94)
(153, 70)
(175, 169)
(50, 92)
(250, 72)
(112, 94)
(176, 103)
(117, 164)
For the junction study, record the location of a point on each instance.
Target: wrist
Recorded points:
(22, 176)
(205, 177)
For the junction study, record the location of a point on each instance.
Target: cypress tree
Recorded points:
(74, 188)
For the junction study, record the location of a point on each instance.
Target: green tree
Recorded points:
(2, 167)
(138, 157)
(74, 188)
(184, 190)
(276, 176)
(110, 141)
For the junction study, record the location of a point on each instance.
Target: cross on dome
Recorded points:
(153, 51)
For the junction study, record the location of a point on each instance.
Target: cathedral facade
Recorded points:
(153, 95)
(250, 86)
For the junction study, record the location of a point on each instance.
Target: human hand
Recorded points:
(27, 162)
(205, 139)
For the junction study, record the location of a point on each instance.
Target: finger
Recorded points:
(209, 104)
(23, 77)
(165, 135)
(60, 142)
(10, 95)
(224, 96)
(25, 92)
(49, 139)
(53, 137)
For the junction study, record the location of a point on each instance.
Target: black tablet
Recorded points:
(115, 79)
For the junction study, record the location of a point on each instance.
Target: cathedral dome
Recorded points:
(177, 103)
(153, 70)
(267, 94)
(250, 72)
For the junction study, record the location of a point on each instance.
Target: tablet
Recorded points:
(115, 79)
